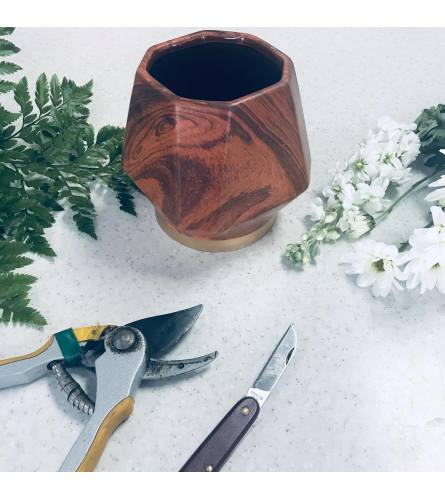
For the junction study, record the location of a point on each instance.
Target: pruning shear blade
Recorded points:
(121, 357)
(158, 368)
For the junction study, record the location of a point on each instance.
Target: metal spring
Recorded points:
(75, 394)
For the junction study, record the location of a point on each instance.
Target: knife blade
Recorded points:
(221, 442)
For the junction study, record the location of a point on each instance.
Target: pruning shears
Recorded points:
(121, 356)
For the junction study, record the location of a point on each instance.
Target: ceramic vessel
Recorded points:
(216, 138)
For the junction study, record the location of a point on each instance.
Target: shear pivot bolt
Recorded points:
(245, 410)
(209, 468)
(123, 339)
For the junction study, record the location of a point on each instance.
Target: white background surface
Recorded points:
(366, 390)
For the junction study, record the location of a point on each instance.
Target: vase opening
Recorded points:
(216, 70)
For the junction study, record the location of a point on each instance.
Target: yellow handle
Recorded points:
(82, 334)
(30, 355)
(85, 333)
(111, 422)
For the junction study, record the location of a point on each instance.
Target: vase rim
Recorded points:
(214, 36)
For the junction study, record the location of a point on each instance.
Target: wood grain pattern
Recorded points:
(217, 169)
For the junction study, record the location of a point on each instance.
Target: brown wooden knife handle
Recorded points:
(220, 443)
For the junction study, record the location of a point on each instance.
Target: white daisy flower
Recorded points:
(376, 266)
(426, 258)
(438, 195)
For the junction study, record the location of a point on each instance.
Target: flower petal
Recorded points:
(436, 195)
(439, 183)
(438, 216)
(366, 279)
(441, 281)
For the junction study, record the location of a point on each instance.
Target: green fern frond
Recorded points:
(14, 288)
(50, 159)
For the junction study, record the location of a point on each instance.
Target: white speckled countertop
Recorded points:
(366, 390)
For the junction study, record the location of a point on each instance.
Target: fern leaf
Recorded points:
(56, 92)
(42, 93)
(6, 117)
(6, 86)
(8, 68)
(50, 159)
(14, 288)
(22, 97)
(6, 31)
(7, 48)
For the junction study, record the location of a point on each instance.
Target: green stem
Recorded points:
(406, 193)
(400, 198)
(25, 194)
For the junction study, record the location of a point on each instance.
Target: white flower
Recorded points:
(372, 196)
(389, 130)
(393, 169)
(409, 147)
(317, 212)
(332, 235)
(434, 235)
(438, 195)
(341, 181)
(365, 163)
(376, 265)
(355, 222)
(396, 140)
(420, 272)
(347, 194)
(426, 258)
(350, 203)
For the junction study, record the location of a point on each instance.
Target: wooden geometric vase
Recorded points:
(215, 137)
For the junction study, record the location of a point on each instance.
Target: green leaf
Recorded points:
(85, 224)
(7, 68)
(50, 159)
(39, 245)
(6, 86)
(56, 91)
(109, 132)
(6, 31)
(6, 117)
(42, 93)
(84, 92)
(431, 131)
(24, 315)
(11, 256)
(88, 135)
(8, 143)
(22, 97)
(14, 288)
(126, 200)
(29, 118)
(7, 48)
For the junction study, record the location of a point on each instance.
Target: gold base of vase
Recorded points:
(214, 245)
